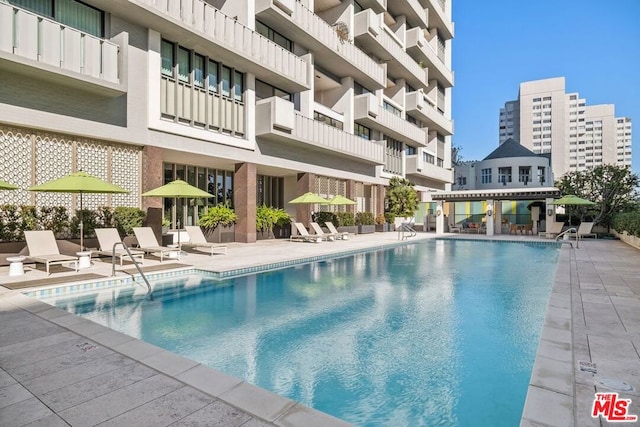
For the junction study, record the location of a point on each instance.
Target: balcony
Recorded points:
(200, 26)
(440, 18)
(420, 49)
(373, 35)
(378, 6)
(36, 46)
(368, 112)
(415, 165)
(310, 31)
(417, 16)
(417, 103)
(277, 121)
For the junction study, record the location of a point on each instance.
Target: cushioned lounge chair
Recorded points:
(552, 230)
(320, 232)
(107, 237)
(198, 240)
(333, 230)
(584, 230)
(149, 244)
(44, 249)
(303, 235)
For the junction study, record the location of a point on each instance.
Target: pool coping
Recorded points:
(273, 408)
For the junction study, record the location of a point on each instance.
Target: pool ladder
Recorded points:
(567, 232)
(113, 264)
(406, 231)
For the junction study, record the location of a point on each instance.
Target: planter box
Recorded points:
(383, 227)
(279, 232)
(221, 234)
(366, 229)
(348, 229)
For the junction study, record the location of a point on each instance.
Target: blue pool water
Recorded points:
(441, 333)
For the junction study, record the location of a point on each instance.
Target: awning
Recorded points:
(493, 194)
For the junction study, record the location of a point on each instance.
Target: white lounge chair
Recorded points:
(333, 230)
(107, 237)
(44, 249)
(149, 244)
(198, 240)
(584, 230)
(303, 235)
(318, 231)
(553, 229)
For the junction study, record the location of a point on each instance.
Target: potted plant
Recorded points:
(345, 222)
(166, 223)
(218, 223)
(365, 222)
(402, 198)
(381, 223)
(272, 222)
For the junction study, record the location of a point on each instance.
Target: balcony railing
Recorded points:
(420, 48)
(276, 119)
(417, 166)
(371, 114)
(235, 37)
(417, 102)
(37, 38)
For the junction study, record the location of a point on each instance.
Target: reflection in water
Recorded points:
(417, 335)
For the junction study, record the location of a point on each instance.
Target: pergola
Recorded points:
(494, 197)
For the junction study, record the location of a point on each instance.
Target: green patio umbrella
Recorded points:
(309, 198)
(6, 186)
(178, 189)
(79, 183)
(572, 200)
(341, 200)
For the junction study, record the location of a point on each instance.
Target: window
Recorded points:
(486, 176)
(428, 158)
(238, 86)
(537, 99)
(167, 51)
(393, 156)
(391, 108)
(270, 191)
(504, 174)
(462, 180)
(411, 151)
(358, 89)
(184, 64)
(225, 77)
(265, 90)
(213, 76)
(362, 131)
(440, 162)
(198, 70)
(327, 120)
(68, 12)
(524, 174)
(274, 36)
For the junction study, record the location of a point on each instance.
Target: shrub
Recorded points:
(344, 219)
(322, 217)
(126, 218)
(380, 219)
(364, 218)
(89, 222)
(105, 217)
(267, 217)
(54, 218)
(220, 214)
(10, 222)
(390, 217)
(627, 221)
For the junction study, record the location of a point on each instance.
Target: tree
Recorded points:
(402, 198)
(456, 156)
(613, 188)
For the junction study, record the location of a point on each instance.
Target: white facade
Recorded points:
(334, 97)
(546, 119)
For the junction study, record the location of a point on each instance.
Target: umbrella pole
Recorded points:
(81, 226)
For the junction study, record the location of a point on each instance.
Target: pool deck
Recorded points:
(59, 369)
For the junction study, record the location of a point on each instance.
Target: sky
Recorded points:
(498, 44)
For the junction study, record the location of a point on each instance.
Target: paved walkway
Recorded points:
(59, 369)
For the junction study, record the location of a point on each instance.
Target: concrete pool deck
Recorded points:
(59, 369)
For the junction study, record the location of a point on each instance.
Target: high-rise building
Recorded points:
(546, 119)
(254, 101)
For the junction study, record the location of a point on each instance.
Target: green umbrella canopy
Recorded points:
(309, 198)
(6, 186)
(179, 189)
(341, 200)
(570, 199)
(78, 182)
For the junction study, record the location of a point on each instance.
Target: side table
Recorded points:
(16, 268)
(84, 259)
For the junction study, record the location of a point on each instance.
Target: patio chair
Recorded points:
(148, 243)
(107, 237)
(553, 229)
(513, 229)
(303, 235)
(198, 240)
(333, 230)
(584, 230)
(320, 232)
(44, 249)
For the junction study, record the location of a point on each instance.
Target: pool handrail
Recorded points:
(113, 264)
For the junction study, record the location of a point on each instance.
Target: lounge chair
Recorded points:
(107, 237)
(303, 235)
(553, 229)
(197, 240)
(584, 230)
(44, 249)
(333, 230)
(148, 243)
(320, 232)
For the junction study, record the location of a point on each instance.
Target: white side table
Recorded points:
(16, 268)
(84, 259)
(174, 255)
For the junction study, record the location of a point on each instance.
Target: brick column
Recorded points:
(382, 192)
(305, 184)
(152, 175)
(244, 202)
(351, 194)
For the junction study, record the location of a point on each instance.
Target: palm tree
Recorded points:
(402, 198)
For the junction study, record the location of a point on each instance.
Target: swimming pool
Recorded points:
(436, 333)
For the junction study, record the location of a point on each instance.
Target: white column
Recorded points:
(550, 214)
(489, 217)
(439, 218)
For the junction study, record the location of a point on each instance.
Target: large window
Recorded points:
(362, 131)
(327, 120)
(274, 36)
(504, 174)
(486, 176)
(524, 174)
(265, 90)
(73, 13)
(270, 191)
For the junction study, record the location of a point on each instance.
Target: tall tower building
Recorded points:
(546, 119)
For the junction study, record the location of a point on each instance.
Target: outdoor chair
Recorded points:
(552, 230)
(303, 235)
(44, 249)
(584, 230)
(320, 232)
(197, 240)
(513, 229)
(148, 243)
(107, 238)
(333, 230)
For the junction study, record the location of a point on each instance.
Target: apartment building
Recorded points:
(255, 101)
(546, 119)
